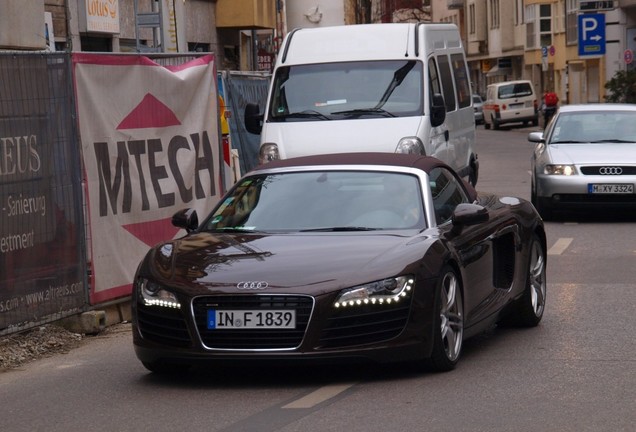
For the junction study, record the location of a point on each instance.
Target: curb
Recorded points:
(94, 321)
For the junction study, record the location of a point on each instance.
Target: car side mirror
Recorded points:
(186, 219)
(438, 110)
(466, 214)
(253, 118)
(536, 137)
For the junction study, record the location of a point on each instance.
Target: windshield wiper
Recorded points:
(615, 140)
(339, 229)
(305, 114)
(363, 111)
(567, 142)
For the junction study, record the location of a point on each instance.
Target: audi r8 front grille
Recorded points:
(608, 170)
(252, 339)
(163, 325)
(364, 324)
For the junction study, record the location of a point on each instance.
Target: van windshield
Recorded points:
(347, 90)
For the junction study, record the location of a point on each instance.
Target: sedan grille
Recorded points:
(163, 325)
(253, 339)
(608, 170)
(364, 324)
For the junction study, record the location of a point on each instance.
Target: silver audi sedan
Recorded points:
(586, 157)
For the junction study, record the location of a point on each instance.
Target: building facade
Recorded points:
(539, 40)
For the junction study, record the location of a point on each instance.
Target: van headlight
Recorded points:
(152, 294)
(268, 153)
(387, 291)
(410, 145)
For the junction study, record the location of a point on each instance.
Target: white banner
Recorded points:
(150, 147)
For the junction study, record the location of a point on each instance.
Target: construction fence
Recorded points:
(97, 151)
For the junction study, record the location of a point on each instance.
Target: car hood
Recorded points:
(210, 263)
(377, 134)
(593, 154)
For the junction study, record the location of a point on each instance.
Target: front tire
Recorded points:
(449, 322)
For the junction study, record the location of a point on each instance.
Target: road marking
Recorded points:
(560, 246)
(318, 396)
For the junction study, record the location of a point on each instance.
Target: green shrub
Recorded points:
(622, 87)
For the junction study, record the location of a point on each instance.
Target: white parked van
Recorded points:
(511, 102)
(400, 88)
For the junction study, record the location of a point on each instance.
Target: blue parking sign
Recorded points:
(591, 34)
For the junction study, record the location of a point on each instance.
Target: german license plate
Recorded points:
(600, 188)
(251, 319)
(516, 105)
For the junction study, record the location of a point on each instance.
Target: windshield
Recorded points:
(331, 91)
(594, 127)
(515, 90)
(321, 201)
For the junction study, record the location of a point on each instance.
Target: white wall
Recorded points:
(314, 13)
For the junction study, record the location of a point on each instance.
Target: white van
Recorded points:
(400, 88)
(511, 102)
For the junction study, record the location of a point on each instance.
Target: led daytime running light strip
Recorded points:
(381, 300)
(162, 303)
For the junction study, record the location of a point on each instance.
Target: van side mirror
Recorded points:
(438, 110)
(253, 118)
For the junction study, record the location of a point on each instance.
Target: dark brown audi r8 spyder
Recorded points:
(365, 256)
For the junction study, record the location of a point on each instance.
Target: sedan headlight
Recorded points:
(566, 170)
(386, 291)
(152, 294)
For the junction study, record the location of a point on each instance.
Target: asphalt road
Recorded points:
(575, 372)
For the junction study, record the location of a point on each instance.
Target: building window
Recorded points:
(531, 32)
(198, 47)
(494, 14)
(545, 24)
(538, 19)
(518, 12)
(571, 12)
(471, 19)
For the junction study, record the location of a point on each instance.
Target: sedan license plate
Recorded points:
(251, 319)
(600, 188)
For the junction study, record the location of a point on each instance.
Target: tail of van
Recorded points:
(370, 88)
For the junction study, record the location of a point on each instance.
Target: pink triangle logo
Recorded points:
(150, 112)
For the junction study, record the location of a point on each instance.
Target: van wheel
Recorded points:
(473, 174)
(486, 125)
(495, 124)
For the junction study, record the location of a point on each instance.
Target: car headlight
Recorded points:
(386, 291)
(566, 170)
(268, 153)
(410, 145)
(152, 294)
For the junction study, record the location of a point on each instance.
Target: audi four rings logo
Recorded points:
(610, 170)
(252, 285)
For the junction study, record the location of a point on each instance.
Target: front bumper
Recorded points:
(404, 333)
(572, 191)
